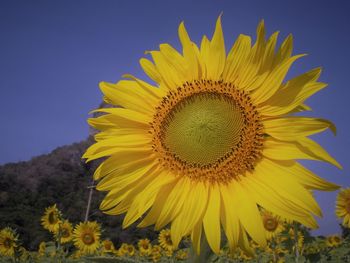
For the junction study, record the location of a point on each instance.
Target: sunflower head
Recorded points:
(131, 250)
(51, 219)
(107, 246)
(272, 224)
(145, 247)
(8, 242)
(86, 237)
(66, 232)
(42, 248)
(181, 254)
(123, 250)
(156, 253)
(164, 239)
(343, 206)
(215, 134)
(333, 240)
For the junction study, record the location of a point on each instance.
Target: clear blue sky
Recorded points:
(53, 54)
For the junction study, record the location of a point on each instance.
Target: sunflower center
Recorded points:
(270, 224)
(88, 239)
(65, 233)
(207, 130)
(202, 128)
(108, 246)
(336, 239)
(52, 218)
(168, 240)
(7, 243)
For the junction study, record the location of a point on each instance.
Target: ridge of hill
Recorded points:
(60, 177)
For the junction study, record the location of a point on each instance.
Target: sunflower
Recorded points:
(164, 240)
(343, 206)
(42, 248)
(51, 219)
(272, 224)
(8, 242)
(131, 250)
(156, 253)
(66, 232)
(211, 141)
(300, 238)
(107, 246)
(333, 241)
(123, 250)
(145, 247)
(86, 237)
(181, 254)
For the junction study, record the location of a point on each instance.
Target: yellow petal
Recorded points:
(115, 145)
(174, 203)
(154, 213)
(204, 54)
(310, 180)
(132, 190)
(120, 160)
(128, 96)
(237, 58)
(191, 213)
(217, 54)
(176, 60)
(145, 199)
(273, 81)
(248, 213)
(316, 151)
(293, 94)
(196, 235)
(303, 148)
(148, 88)
(290, 128)
(125, 175)
(285, 51)
(266, 196)
(150, 69)
(285, 184)
(189, 51)
(211, 220)
(111, 133)
(121, 115)
(243, 242)
(138, 176)
(229, 218)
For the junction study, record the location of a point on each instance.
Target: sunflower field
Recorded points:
(83, 243)
(208, 153)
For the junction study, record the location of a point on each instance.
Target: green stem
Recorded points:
(295, 227)
(205, 252)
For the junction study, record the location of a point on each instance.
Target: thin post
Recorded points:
(92, 186)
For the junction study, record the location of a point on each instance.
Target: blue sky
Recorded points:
(53, 54)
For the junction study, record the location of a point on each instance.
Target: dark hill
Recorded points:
(61, 177)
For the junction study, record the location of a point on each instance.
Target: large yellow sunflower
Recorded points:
(343, 206)
(86, 237)
(51, 219)
(8, 242)
(66, 229)
(212, 141)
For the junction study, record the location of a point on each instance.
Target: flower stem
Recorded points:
(295, 227)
